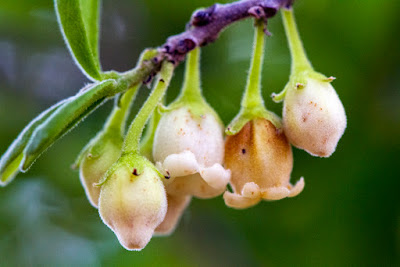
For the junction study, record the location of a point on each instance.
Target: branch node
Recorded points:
(203, 17)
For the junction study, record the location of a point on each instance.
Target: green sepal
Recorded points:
(140, 162)
(246, 115)
(66, 118)
(11, 159)
(298, 80)
(79, 24)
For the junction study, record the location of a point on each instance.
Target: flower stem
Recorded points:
(191, 90)
(300, 61)
(131, 144)
(252, 97)
(117, 119)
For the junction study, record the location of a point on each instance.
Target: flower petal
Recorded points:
(297, 188)
(181, 164)
(216, 176)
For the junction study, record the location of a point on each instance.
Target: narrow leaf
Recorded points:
(78, 20)
(11, 159)
(91, 16)
(64, 119)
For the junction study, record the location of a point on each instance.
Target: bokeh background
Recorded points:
(349, 212)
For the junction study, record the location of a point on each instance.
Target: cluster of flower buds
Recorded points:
(142, 186)
(184, 153)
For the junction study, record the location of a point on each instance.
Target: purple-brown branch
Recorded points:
(206, 25)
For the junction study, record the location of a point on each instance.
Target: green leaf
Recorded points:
(65, 118)
(79, 23)
(12, 158)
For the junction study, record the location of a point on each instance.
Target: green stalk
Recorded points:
(252, 97)
(131, 144)
(191, 90)
(300, 61)
(117, 119)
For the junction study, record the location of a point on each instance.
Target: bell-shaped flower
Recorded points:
(189, 141)
(256, 150)
(313, 117)
(261, 161)
(189, 150)
(133, 201)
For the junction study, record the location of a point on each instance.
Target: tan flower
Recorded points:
(260, 159)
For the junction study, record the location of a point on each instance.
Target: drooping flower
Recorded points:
(256, 150)
(314, 118)
(261, 161)
(190, 151)
(189, 142)
(133, 201)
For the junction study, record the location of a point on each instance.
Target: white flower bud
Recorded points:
(189, 150)
(314, 118)
(133, 201)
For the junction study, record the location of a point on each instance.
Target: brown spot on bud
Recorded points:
(135, 172)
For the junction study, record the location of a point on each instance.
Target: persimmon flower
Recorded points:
(314, 118)
(133, 202)
(189, 151)
(260, 159)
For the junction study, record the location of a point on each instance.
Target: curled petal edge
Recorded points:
(185, 163)
(252, 194)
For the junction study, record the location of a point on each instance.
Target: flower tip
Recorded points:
(132, 238)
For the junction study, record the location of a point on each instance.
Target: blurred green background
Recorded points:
(349, 212)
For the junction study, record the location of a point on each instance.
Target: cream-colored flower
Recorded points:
(133, 201)
(261, 161)
(189, 150)
(314, 118)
